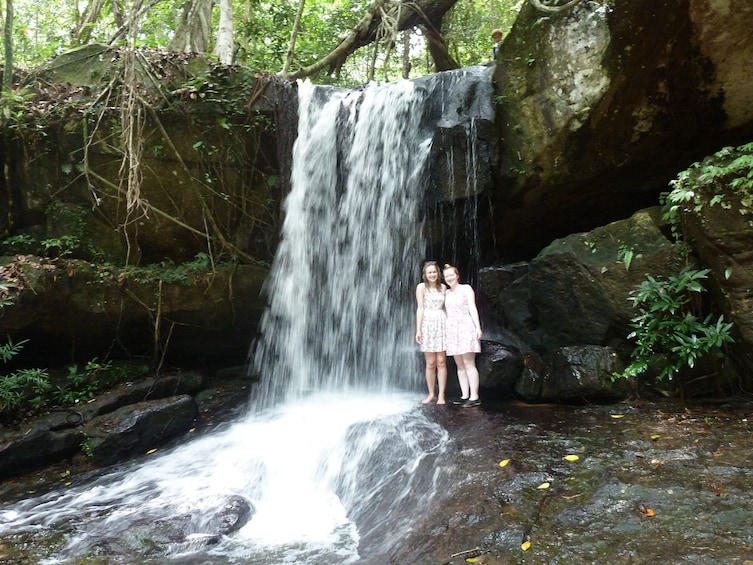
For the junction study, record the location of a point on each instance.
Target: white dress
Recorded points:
(433, 322)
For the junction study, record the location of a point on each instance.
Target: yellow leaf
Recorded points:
(543, 486)
(471, 560)
(616, 416)
(151, 451)
(192, 430)
(526, 545)
(655, 437)
(571, 457)
(504, 462)
(649, 512)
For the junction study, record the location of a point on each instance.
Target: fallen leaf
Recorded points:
(646, 511)
(504, 463)
(616, 416)
(192, 430)
(544, 486)
(655, 437)
(571, 457)
(151, 451)
(526, 545)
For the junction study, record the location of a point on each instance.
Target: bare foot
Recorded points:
(440, 401)
(427, 399)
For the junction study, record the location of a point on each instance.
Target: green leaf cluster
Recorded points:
(669, 331)
(711, 182)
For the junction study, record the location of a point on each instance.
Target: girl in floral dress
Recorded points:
(430, 329)
(463, 334)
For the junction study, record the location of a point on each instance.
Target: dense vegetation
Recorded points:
(262, 31)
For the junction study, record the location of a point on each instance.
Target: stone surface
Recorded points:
(137, 428)
(574, 374)
(576, 291)
(600, 106)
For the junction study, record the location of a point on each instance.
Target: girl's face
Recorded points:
(432, 273)
(450, 276)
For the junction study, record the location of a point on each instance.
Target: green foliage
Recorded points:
(6, 298)
(728, 172)
(625, 254)
(669, 331)
(18, 243)
(62, 246)
(42, 31)
(167, 271)
(22, 388)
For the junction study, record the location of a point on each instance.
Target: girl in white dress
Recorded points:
(430, 329)
(463, 334)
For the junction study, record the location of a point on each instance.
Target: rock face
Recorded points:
(203, 318)
(127, 431)
(600, 106)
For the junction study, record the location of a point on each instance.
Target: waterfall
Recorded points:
(337, 460)
(340, 311)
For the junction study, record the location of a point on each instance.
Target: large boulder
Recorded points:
(599, 106)
(576, 291)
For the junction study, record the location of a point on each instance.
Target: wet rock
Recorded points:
(499, 365)
(576, 373)
(36, 447)
(148, 389)
(184, 532)
(137, 428)
(233, 516)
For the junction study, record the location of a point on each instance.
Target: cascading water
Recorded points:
(340, 312)
(336, 459)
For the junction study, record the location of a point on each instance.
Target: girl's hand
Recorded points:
(419, 338)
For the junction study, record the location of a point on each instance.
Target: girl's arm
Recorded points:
(472, 310)
(419, 311)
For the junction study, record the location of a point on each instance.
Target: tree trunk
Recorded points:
(8, 40)
(293, 37)
(81, 34)
(194, 28)
(406, 53)
(440, 54)
(225, 47)
(425, 13)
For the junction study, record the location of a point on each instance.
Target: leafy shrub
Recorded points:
(24, 388)
(668, 329)
(728, 171)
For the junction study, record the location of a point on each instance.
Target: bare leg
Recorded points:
(441, 376)
(431, 370)
(462, 377)
(471, 372)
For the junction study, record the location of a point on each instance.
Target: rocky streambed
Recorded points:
(624, 483)
(627, 483)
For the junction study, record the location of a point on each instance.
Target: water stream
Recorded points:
(335, 460)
